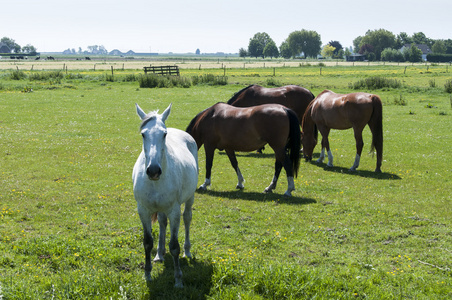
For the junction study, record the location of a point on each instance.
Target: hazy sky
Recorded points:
(182, 26)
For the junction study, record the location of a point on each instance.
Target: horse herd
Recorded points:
(165, 174)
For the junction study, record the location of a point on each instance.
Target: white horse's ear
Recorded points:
(166, 112)
(140, 112)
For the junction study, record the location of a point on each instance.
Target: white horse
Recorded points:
(165, 176)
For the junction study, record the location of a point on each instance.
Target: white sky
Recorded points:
(182, 26)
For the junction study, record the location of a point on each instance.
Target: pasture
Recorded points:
(69, 226)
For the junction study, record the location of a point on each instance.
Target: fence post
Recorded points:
(274, 70)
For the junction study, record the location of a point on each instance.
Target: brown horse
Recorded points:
(335, 111)
(223, 126)
(294, 97)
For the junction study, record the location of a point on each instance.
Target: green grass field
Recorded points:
(69, 227)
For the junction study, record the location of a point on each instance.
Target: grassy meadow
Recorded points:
(69, 228)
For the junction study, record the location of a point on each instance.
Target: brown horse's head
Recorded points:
(309, 141)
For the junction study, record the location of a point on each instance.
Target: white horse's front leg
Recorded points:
(322, 156)
(356, 163)
(205, 184)
(330, 158)
(163, 222)
(290, 187)
(240, 180)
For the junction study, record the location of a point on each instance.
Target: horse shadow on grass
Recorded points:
(360, 173)
(254, 196)
(196, 277)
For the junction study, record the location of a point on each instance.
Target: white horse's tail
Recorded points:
(154, 218)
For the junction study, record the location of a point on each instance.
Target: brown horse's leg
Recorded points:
(325, 131)
(210, 151)
(272, 186)
(359, 147)
(235, 165)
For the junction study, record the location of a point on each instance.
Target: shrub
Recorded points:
(376, 82)
(17, 75)
(154, 80)
(210, 79)
(41, 76)
(448, 86)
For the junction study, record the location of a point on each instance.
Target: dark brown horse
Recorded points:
(294, 97)
(335, 111)
(223, 126)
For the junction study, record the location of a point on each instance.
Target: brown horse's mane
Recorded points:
(195, 121)
(236, 95)
(307, 119)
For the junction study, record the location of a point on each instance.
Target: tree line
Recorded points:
(378, 44)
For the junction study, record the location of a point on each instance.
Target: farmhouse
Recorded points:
(355, 57)
(4, 48)
(423, 47)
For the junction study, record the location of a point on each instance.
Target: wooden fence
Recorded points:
(162, 70)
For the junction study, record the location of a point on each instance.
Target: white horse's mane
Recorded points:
(150, 116)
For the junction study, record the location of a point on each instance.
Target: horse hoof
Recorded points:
(202, 188)
(268, 191)
(240, 187)
(287, 194)
(377, 171)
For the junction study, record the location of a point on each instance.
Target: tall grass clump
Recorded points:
(158, 81)
(42, 76)
(376, 82)
(448, 86)
(17, 75)
(209, 79)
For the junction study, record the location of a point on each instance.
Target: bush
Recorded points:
(17, 75)
(376, 82)
(448, 86)
(41, 76)
(436, 57)
(154, 81)
(210, 79)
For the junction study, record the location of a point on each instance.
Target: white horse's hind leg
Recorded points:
(322, 156)
(356, 163)
(290, 187)
(240, 179)
(187, 221)
(330, 158)
(163, 222)
(205, 184)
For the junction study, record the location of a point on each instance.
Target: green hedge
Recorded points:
(433, 57)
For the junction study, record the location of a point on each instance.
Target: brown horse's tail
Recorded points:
(376, 126)
(294, 142)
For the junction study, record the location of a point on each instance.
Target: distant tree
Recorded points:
(304, 41)
(413, 54)
(284, 50)
(255, 49)
(389, 54)
(448, 44)
(439, 47)
(402, 39)
(380, 39)
(198, 52)
(257, 44)
(328, 50)
(421, 38)
(29, 49)
(357, 44)
(337, 49)
(271, 50)
(366, 49)
(243, 52)
(347, 52)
